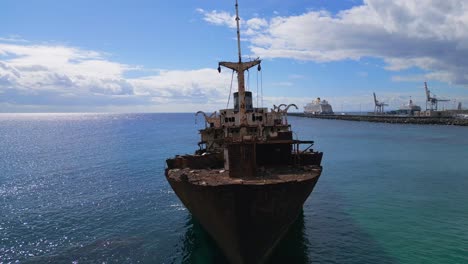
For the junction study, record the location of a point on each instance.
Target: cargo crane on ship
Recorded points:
(431, 100)
(379, 106)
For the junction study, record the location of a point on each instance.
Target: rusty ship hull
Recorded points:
(246, 218)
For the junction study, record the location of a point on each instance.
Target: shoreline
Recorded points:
(391, 119)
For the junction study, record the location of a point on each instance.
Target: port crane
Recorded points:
(431, 100)
(379, 106)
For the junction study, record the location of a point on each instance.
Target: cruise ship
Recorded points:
(318, 107)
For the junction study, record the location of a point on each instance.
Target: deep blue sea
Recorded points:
(90, 188)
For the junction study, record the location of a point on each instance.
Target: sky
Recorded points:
(162, 56)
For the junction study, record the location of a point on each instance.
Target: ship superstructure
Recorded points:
(259, 124)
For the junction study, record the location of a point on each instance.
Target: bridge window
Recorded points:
(257, 118)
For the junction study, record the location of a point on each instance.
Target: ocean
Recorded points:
(90, 188)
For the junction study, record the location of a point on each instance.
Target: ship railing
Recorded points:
(297, 152)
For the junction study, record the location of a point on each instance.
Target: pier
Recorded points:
(393, 119)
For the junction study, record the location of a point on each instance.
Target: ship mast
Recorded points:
(240, 67)
(238, 33)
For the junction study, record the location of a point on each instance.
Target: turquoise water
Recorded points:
(90, 188)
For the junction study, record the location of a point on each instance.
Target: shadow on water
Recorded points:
(294, 247)
(313, 238)
(199, 247)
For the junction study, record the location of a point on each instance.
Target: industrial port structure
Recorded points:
(432, 101)
(411, 109)
(379, 106)
(408, 113)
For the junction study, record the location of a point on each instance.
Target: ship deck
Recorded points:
(265, 175)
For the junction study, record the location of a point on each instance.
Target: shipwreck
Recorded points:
(249, 178)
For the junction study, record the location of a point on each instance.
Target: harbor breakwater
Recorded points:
(392, 119)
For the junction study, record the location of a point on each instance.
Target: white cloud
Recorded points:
(60, 76)
(283, 84)
(42, 78)
(428, 34)
(222, 18)
(42, 67)
(410, 78)
(296, 76)
(204, 84)
(218, 18)
(13, 38)
(257, 23)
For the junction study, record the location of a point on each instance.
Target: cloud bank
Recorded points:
(431, 35)
(57, 75)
